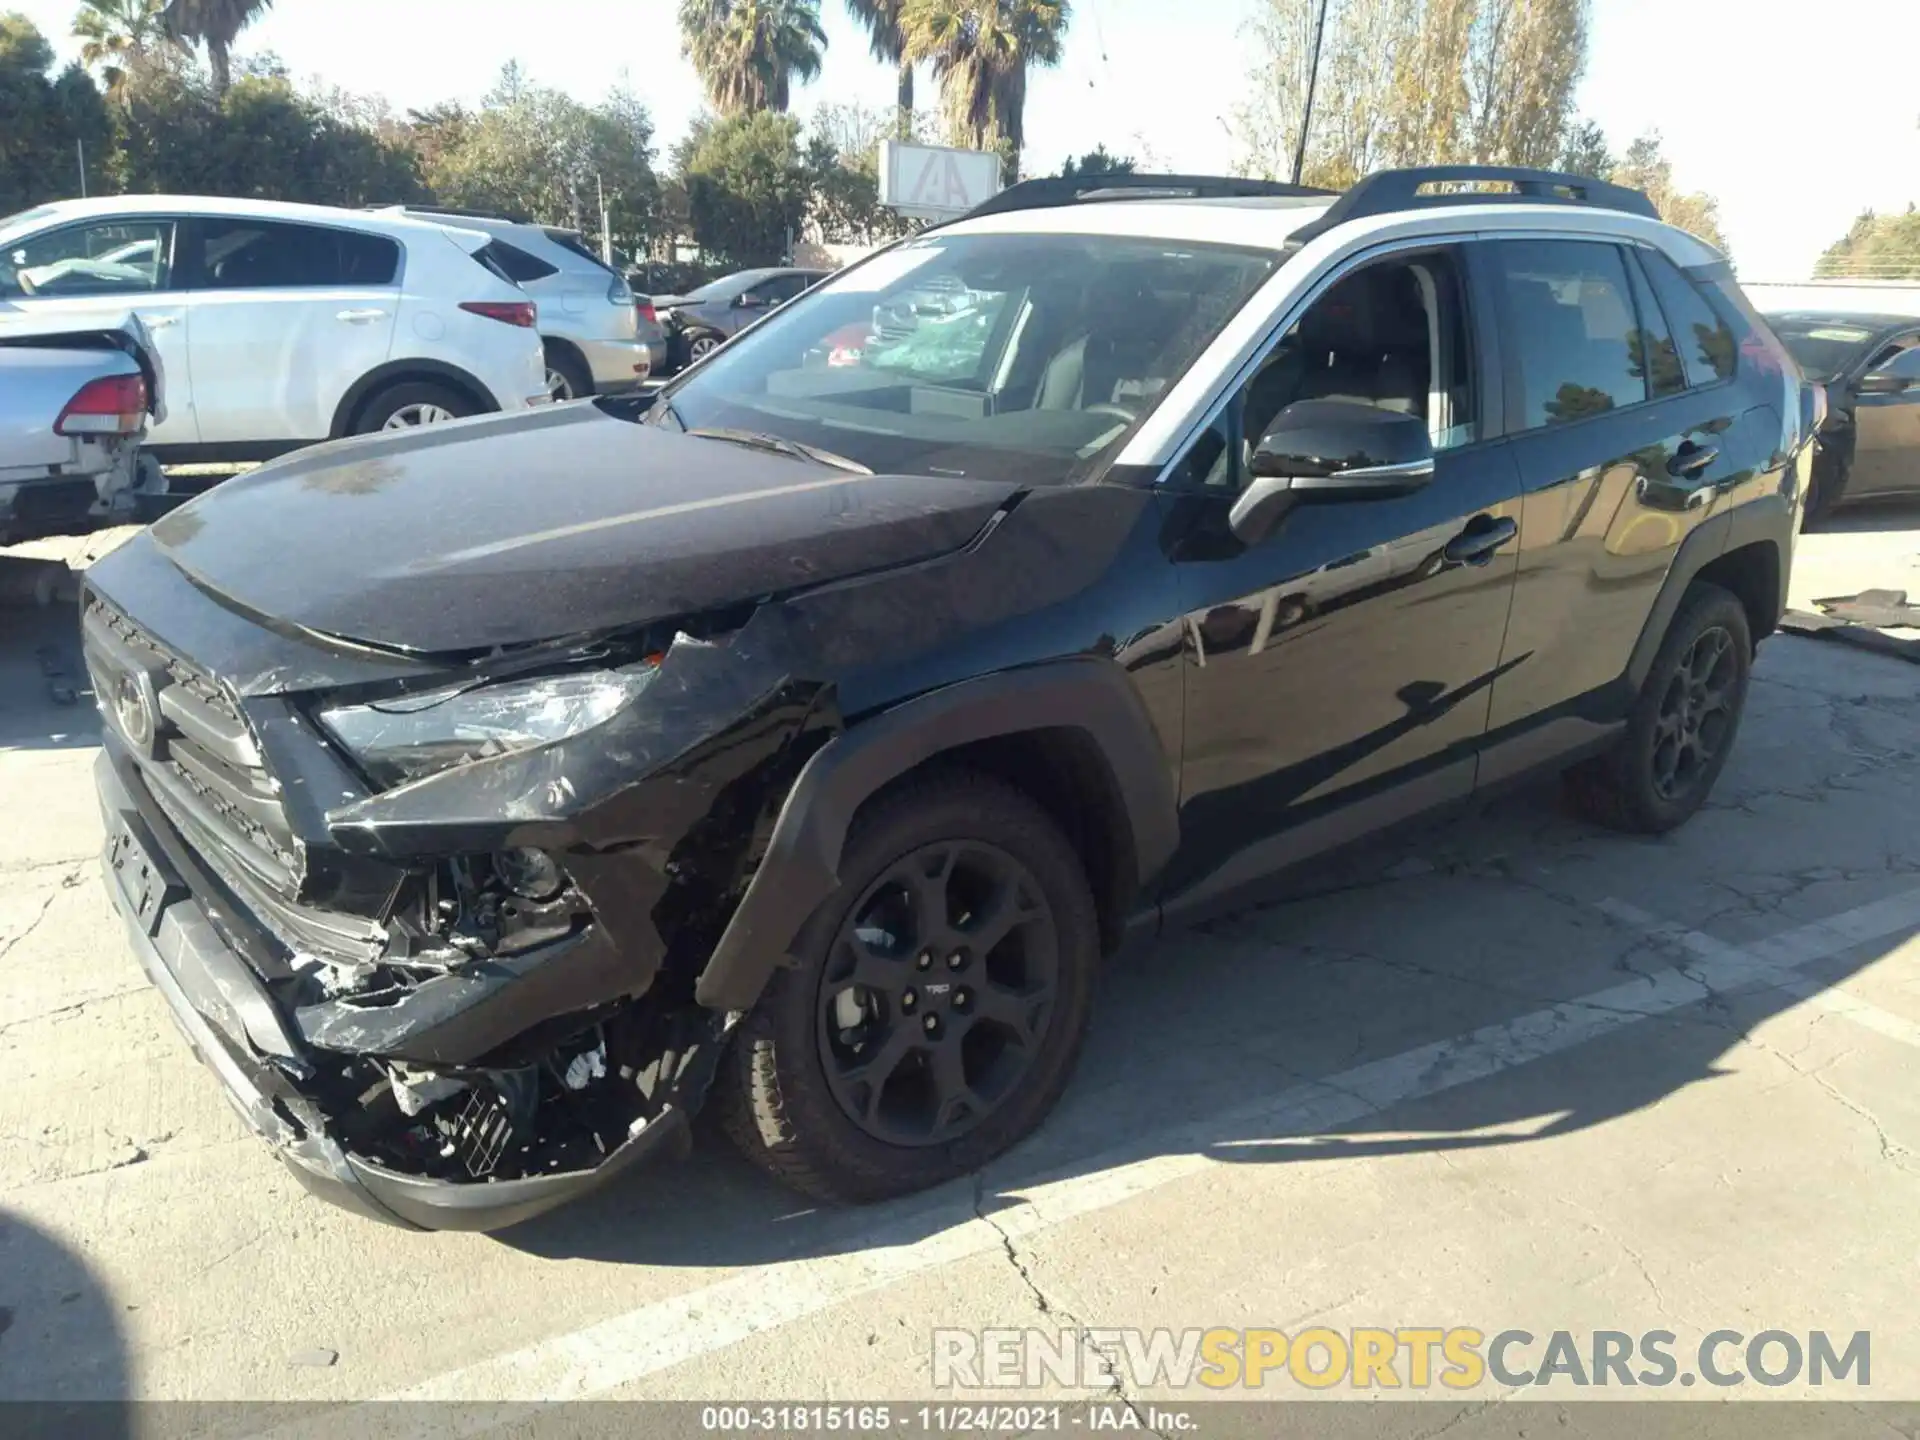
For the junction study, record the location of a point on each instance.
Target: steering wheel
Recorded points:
(1107, 407)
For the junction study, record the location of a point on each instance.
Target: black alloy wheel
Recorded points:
(937, 993)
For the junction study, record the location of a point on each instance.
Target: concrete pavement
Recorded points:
(1512, 1072)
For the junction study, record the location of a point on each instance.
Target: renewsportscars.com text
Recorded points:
(1405, 1357)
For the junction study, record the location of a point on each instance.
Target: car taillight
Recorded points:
(647, 315)
(523, 313)
(112, 405)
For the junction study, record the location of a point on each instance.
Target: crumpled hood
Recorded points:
(514, 529)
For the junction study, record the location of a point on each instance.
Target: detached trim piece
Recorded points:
(802, 863)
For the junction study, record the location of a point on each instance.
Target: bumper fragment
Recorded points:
(233, 1026)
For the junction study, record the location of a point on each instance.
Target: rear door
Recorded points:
(92, 273)
(285, 318)
(1624, 422)
(1886, 446)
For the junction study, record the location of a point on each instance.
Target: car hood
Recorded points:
(560, 522)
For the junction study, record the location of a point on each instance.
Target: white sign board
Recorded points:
(934, 183)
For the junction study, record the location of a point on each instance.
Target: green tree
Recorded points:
(44, 120)
(748, 187)
(843, 161)
(1646, 168)
(114, 34)
(1583, 151)
(1875, 247)
(749, 53)
(1097, 161)
(888, 39)
(981, 52)
(215, 24)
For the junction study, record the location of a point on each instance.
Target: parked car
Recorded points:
(1870, 365)
(280, 325)
(74, 408)
(806, 734)
(653, 334)
(699, 322)
(589, 321)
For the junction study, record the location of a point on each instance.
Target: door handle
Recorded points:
(1691, 461)
(361, 317)
(1475, 544)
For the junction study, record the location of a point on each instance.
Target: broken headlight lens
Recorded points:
(406, 737)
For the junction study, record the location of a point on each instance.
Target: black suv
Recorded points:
(482, 798)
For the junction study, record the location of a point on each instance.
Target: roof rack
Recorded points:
(1387, 191)
(1054, 191)
(511, 217)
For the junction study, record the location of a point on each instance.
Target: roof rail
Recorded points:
(1046, 194)
(1386, 191)
(511, 217)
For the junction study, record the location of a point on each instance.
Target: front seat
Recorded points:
(1372, 330)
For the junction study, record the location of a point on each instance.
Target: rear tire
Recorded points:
(841, 1091)
(567, 377)
(1682, 725)
(415, 402)
(696, 345)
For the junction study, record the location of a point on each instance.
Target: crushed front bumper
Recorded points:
(234, 1027)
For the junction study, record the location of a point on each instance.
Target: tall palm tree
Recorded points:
(114, 33)
(981, 51)
(218, 24)
(889, 43)
(750, 52)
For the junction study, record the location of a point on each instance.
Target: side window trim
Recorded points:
(194, 227)
(1640, 288)
(1227, 400)
(1710, 297)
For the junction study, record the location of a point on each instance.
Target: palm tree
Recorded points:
(889, 42)
(216, 22)
(114, 33)
(981, 51)
(749, 52)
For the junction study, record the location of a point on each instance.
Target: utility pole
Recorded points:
(1313, 76)
(80, 151)
(606, 228)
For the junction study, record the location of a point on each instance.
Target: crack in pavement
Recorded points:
(72, 1008)
(67, 881)
(1117, 1382)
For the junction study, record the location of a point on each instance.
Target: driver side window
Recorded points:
(102, 257)
(1390, 334)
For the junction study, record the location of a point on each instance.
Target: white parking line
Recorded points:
(1832, 999)
(944, 1228)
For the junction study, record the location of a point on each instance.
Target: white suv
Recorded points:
(588, 321)
(281, 325)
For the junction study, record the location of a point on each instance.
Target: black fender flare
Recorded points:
(802, 862)
(1767, 520)
(396, 372)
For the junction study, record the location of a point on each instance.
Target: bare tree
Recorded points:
(1430, 86)
(1524, 58)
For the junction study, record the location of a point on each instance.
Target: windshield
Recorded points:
(1822, 350)
(1020, 357)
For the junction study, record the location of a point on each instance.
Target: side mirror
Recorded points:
(1321, 451)
(1882, 382)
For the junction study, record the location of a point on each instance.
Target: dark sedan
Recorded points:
(698, 322)
(1870, 364)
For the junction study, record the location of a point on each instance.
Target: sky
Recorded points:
(1795, 126)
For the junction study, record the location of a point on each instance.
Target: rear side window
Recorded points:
(1706, 344)
(1654, 352)
(514, 263)
(239, 254)
(1572, 331)
(569, 241)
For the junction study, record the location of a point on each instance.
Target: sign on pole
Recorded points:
(930, 182)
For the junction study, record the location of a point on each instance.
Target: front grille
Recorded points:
(204, 769)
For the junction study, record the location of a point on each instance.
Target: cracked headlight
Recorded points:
(406, 737)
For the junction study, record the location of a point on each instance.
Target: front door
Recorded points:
(1338, 672)
(91, 274)
(1886, 445)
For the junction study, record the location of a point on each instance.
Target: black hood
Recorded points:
(530, 527)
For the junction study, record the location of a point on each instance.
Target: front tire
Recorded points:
(696, 345)
(939, 1004)
(1682, 725)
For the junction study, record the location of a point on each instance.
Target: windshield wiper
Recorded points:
(779, 445)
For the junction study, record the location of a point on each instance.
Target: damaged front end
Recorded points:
(453, 984)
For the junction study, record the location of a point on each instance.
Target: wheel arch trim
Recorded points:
(801, 866)
(400, 372)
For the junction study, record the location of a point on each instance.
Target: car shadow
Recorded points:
(64, 1362)
(1200, 1041)
(1867, 517)
(46, 699)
